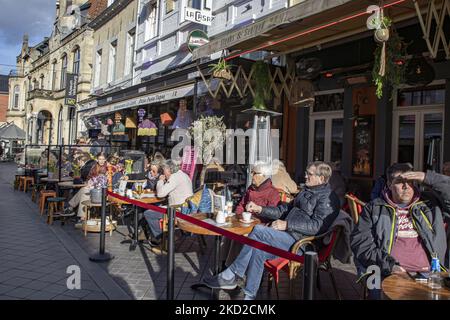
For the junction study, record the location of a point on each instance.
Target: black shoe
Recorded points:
(154, 243)
(217, 282)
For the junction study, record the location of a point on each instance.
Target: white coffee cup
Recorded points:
(247, 216)
(130, 193)
(220, 217)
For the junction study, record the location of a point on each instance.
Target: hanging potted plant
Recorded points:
(389, 58)
(221, 69)
(261, 77)
(97, 183)
(208, 134)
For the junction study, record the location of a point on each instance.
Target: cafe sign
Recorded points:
(198, 16)
(71, 89)
(196, 39)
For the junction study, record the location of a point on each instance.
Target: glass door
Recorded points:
(325, 138)
(417, 138)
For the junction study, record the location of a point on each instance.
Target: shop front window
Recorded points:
(337, 135)
(319, 140)
(407, 125)
(429, 96)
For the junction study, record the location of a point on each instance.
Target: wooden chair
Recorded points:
(35, 191)
(284, 196)
(27, 181)
(292, 268)
(55, 208)
(355, 206)
(44, 194)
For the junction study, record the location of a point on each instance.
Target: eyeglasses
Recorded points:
(309, 174)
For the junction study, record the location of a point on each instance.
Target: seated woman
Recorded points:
(260, 192)
(152, 177)
(100, 168)
(281, 179)
(174, 184)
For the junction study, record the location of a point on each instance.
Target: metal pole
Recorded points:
(171, 255)
(60, 164)
(309, 275)
(102, 256)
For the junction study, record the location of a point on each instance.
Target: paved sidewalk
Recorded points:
(34, 259)
(37, 256)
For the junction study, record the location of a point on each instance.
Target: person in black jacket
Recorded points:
(312, 212)
(402, 229)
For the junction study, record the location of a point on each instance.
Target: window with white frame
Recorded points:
(129, 50)
(112, 61)
(16, 97)
(63, 71)
(151, 21)
(76, 61)
(98, 68)
(196, 4)
(208, 4)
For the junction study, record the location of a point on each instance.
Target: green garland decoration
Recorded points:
(395, 72)
(261, 75)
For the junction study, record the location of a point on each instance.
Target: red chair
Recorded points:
(354, 205)
(189, 161)
(292, 268)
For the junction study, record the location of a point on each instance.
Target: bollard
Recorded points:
(171, 254)
(309, 275)
(102, 256)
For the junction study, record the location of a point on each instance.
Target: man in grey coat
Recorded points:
(400, 230)
(312, 212)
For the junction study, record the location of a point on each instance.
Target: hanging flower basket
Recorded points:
(222, 74)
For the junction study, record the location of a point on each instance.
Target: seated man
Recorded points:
(175, 184)
(400, 230)
(312, 212)
(262, 193)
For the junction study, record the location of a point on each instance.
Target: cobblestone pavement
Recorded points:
(36, 256)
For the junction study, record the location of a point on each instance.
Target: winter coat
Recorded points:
(374, 236)
(312, 212)
(264, 195)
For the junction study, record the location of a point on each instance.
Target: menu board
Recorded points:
(363, 146)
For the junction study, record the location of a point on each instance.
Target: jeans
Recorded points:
(153, 218)
(251, 260)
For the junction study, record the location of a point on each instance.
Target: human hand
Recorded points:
(413, 176)
(162, 177)
(253, 208)
(280, 225)
(398, 269)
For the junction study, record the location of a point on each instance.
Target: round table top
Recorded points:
(402, 287)
(70, 184)
(236, 226)
(148, 200)
(88, 203)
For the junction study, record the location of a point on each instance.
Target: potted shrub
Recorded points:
(51, 169)
(76, 171)
(97, 183)
(221, 69)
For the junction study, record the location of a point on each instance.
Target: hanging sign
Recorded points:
(198, 16)
(71, 89)
(196, 38)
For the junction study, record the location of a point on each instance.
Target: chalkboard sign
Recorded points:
(363, 146)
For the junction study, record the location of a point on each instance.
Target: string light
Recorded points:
(309, 31)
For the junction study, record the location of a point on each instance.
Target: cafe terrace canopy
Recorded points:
(12, 132)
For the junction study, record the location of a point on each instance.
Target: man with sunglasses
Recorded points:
(312, 212)
(400, 230)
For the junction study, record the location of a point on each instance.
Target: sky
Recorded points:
(17, 17)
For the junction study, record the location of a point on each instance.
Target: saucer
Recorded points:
(246, 222)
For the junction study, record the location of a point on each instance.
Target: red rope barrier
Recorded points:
(233, 236)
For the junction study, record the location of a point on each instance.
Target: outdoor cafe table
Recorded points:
(235, 226)
(403, 287)
(148, 200)
(55, 181)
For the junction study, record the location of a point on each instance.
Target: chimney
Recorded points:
(25, 43)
